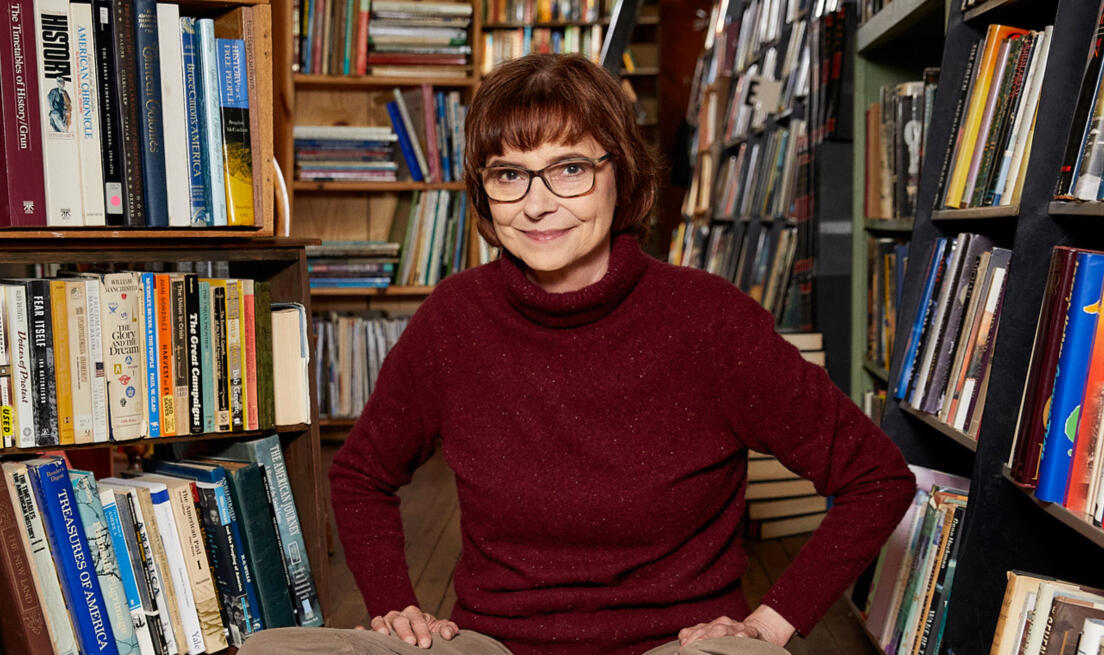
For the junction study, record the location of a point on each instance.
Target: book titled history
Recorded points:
(23, 189)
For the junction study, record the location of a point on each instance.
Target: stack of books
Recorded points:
(779, 502)
(348, 354)
(504, 44)
(995, 119)
(347, 154)
(190, 556)
(1063, 403)
(896, 133)
(130, 355)
(157, 139)
(1041, 614)
(430, 128)
(352, 264)
(873, 404)
(541, 11)
(945, 369)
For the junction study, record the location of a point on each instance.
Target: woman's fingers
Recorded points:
(414, 626)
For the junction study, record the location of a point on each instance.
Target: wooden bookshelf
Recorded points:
(957, 436)
(896, 19)
(976, 213)
(305, 81)
(340, 422)
(876, 370)
(1075, 208)
(1080, 523)
(308, 186)
(184, 438)
(888, 225)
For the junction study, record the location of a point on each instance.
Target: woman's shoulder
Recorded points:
(694, 284)
(460, 289)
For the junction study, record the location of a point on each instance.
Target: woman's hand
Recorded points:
(764, 624)
(414, 626)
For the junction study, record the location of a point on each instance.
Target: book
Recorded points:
(150, 126)
(194, 347)
(164, 364)
(174, 114)
(114, 524)
(125, 72)
(208, 92)
(931, 277)
(179, 373)
(200, 201)
(21, 355)
(249, 353)
(290, 363)
(23, 627)
(93, 299)
(236, 142)
(23, 191)
(86, 113)
(80, 367)
(207, 361)
(150, 345)
(266, 410)
(62, 375)
(111, 138)
(234, 364)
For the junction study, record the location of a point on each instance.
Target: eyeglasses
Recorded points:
(567, 178)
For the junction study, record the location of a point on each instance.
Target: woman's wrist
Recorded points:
(772, 626)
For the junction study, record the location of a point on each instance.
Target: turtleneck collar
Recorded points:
(575, 308)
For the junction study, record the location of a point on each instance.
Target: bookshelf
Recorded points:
(1005, 527)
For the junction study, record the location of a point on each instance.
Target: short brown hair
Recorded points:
(537, 99)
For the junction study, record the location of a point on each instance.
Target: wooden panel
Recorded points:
(262, 55)
(342, 107)
(344, 217)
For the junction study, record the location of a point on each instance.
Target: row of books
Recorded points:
(758, 179)
(873, 404)
(780, 503)
(186, 557)
(903, 598)
(91, 358)
(948, 356)
(101, 153)
(347, 37)
(352, 264)
(429, 125)
(1083, 163)
(542, 11)
(326, 153)
(896, 134)
(995, 119)
(438, 237)
(348, 355)
(761, 22)
(886, 260)
(1061, 411)
(501, 45)
(1041, 615)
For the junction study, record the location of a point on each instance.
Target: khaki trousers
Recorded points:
(330, 641)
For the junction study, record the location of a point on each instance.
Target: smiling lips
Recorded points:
(544, 235)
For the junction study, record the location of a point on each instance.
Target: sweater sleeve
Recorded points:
(780, 404)
(396, 433)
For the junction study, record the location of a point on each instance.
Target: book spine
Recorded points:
(62, 378)
(195, 357)
(8, 418)
(153, 380)
(228, 577)
(141, 560)
(151, 127)
(173, 113)
(163, 588)
(200, 187)
(429, 117)
(249, 602)
(37, 545)
(249, 353)
(404, 141)
(233, 355)
(80, 360)
(87, 112)
(137, 616)
(208, 376)
(266, 411)
(212, 115)
(100, 546)
(443, 144)
(42, 347)
(197, 568)
(126, 85)
(165, 366)
(79, 583)
(905, 377)
(412, 135)
(234, 99)
(123, 355)
(59, 134)
(177, 569)
(97, 374)
(107, 90)
(219, 353)
(21, 124)
(180, 375)
(22, 362)
(23, 624)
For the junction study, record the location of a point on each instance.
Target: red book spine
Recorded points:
(163, 307)
(249, 334)
(362, 39)
(429, 107)
(25, 195)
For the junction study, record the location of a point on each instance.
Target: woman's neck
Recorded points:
(580, 274)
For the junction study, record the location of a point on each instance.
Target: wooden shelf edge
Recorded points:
(875, 370)
(214, 436)
(896, 225)
(135, 233)
(855, 612)
(895, 17)
(370, 187)
(961, 438)
(1076, 208)
(972, 213)
(985, 8)
(381, 291)
(342, 422)
(1083, 527)
(370, 81)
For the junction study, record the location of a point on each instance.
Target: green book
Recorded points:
(266, 403)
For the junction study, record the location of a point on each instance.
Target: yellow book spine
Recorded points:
(63, 383)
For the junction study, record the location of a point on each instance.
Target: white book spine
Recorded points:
(122, 557)
(178, 575)
(1027, 127)
(19, 341)
(415, 138)
(439, 237)
(61, 152)
(1092, 636)
(96, 360)
(175, 117)
(205, 28)
(80, 369)
(87, 113)
(124, 355)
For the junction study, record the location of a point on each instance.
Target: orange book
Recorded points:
(972, 123)
(163, 310)
(1088, 428)
(63, 381)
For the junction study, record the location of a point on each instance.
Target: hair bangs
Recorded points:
(539, 117)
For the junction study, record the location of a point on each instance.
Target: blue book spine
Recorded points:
(918, 321)
(149, 319)
(212, 114)
(200, 186)
(1069, 382)
(74, 562)
(206, 357)
(404, 141)
(443, 145)
(461, 231)
(151, 127)
(122, 555)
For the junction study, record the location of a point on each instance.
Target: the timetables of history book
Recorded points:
(132, 115)
(92, 358)
(186, 556)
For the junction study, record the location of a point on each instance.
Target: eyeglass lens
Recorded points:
(565, 179)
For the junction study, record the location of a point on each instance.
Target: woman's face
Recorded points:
(565, 242)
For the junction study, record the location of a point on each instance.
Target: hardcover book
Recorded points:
(23, 626)
(136, 615)
(23, 190)
(200, 201)
(173, 114)
(86, 114)
(126, 86)
(107, 89)
(207, 362)
(234, 99)
(18, 338)
(212, 119)
(62, 378)
(150, 125)
(80, 364)
(180, 375)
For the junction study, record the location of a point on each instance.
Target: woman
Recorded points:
(597, 406)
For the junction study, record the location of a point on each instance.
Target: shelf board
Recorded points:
(862, 624)
(876, 370)
(886, 225)
(894, 20)
(641, 71)
(395, 292)
(973, 213)
(370, 81)
(352, 187)
(984, 8)
(132, 233)
(215, 436)
(44, 248)
(341, 422)
(1076, 208)
(961, 438)
(510, 25)
(1071, 519)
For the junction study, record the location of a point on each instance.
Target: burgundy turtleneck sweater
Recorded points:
(599, 440)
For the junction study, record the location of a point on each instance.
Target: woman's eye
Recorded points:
(509, 175)
(573, 169)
